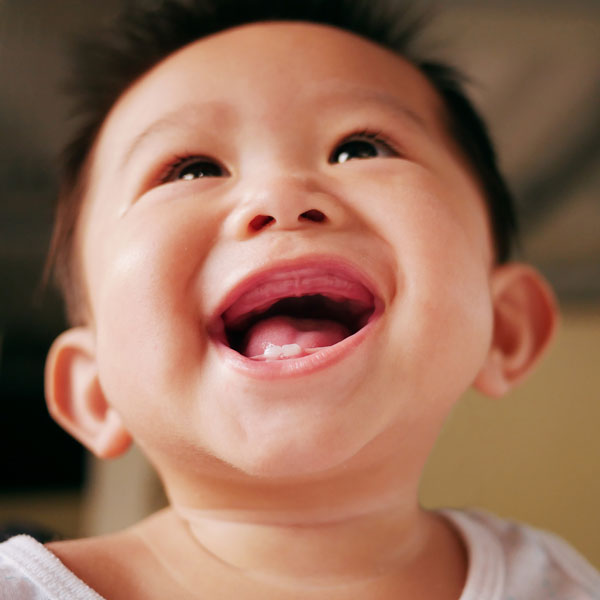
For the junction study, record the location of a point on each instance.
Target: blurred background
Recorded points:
(534, 456)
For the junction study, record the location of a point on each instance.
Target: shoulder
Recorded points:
(104, 563)
(119, 566)
(28, 571)
(526, 562)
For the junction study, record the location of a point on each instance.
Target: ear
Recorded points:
(525, 318)
(75, 398)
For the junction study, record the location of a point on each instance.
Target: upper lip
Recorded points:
(324, 275)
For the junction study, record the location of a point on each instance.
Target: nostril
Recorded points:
(313, 215)
(260, 221)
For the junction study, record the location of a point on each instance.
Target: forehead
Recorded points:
(265, 72)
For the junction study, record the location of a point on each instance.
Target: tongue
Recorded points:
(307, 333)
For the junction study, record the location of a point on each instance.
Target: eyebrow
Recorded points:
(334, 89)
(182, 118)
(187, 116)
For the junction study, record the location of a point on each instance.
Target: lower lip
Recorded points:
(297, 367)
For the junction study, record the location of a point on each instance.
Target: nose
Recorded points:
(285, 203)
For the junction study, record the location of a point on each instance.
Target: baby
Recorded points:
(284, 245)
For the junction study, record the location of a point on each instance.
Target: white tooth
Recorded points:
(291, 350)
(272, 351)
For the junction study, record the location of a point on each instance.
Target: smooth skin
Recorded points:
(295, 487)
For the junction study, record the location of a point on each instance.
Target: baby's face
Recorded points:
(286, 256)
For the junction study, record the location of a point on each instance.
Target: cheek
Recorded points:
(445, 318)
(142, 282)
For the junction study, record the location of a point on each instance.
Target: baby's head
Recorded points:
(107, 67)
(284, 240)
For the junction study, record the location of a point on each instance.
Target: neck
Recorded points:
(343, 535)
(315, 550)
(309, 538)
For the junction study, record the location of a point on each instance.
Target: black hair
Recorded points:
(108, 65)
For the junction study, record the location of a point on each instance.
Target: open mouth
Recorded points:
(292, 313)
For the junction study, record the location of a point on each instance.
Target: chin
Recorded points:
(294, 428)
(297, 456)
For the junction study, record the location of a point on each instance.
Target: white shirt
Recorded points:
(507, 561)
(512, 561)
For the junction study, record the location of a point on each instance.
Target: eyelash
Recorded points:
(373, 135)
(179, 161)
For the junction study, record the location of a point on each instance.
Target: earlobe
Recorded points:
(525, 319)
(75, 398)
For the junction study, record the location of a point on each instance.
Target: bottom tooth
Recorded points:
(275, 352)
(285, 351)
(272, 351)
(291, 350)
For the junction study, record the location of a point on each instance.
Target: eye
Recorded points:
(362, 145)
(190, 168)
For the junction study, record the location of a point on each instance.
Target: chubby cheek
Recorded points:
(445, 319)
(149, 332)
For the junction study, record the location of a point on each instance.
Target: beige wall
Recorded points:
(534, 455)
